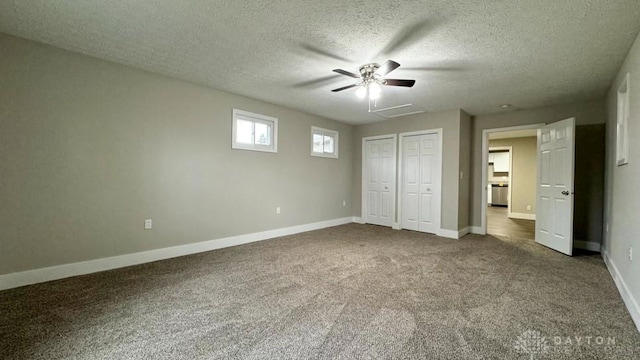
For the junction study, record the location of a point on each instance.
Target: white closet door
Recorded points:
(428, 182)
(380, 177)
(421, 183)
(411, 183)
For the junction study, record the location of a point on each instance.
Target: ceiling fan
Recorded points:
(372, 77)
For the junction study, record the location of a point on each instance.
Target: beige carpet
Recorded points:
(348, 292)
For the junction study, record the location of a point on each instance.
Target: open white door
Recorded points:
(554, 213)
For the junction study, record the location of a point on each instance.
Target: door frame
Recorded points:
(485, 171)
(400, 177)
(509, 178)
(364, 202)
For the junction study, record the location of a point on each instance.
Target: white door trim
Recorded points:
(363, 189)
(483, 165)
(438, 193)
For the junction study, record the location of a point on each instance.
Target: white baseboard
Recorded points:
(522, 216)
(452, 234)
(477, 230)
(29, 277)
(396, 226)
(357, 220)
(586, 245)
(627, 297)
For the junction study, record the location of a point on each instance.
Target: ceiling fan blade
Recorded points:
(399, 82)
(322, 52)
(316, 82)
(409, 35)
(344, 88)
(345, 72)
(387, 67)
(450, 69)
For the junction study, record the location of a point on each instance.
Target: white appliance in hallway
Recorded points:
(379, 174)
(421, 182)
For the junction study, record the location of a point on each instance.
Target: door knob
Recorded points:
(565, 193)
(385, 188)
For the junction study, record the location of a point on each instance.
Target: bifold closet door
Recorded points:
(380, 175)
(421, 187)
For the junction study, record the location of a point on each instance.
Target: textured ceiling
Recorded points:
(467, 54)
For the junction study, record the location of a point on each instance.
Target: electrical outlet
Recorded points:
(630, 253)
(461, 175)
(528, 207)
(344, 202)
(607, 226)
(278, 210)
(148, 224)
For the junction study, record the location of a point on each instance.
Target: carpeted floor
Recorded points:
(348, 292)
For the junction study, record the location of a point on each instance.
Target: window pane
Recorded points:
(328, 144)
(263, 136)
(254, 132)
(244, 131)
(317, 143)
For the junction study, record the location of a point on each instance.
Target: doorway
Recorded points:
(510, 183)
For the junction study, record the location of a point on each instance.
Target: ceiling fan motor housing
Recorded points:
(368, 72)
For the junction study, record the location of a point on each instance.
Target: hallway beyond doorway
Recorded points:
(498, 223)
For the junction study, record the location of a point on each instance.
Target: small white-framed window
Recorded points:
(324, 142)
(622, 136)
(253, 131)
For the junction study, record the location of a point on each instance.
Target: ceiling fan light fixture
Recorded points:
(361, 92)
(374, 91)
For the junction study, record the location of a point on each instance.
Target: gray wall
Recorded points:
(465, 168)
(89, 149)
(622, 195)
(586, 113)
(449, 121)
